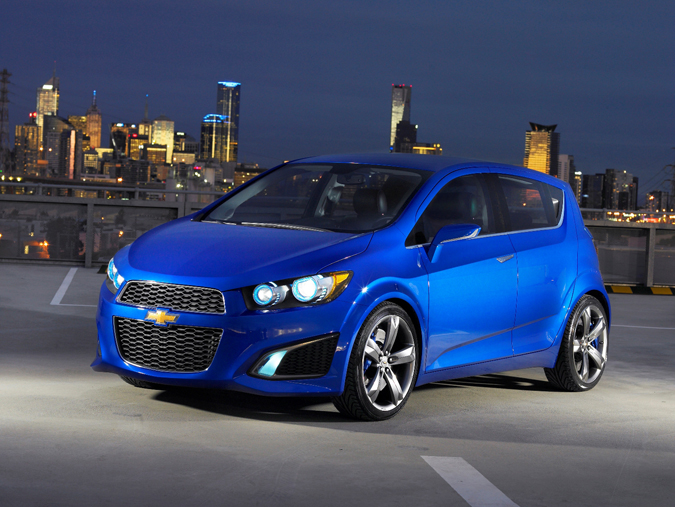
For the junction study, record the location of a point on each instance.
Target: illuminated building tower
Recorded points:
(185, 143)
(620, 190)
(62, 147)
(135, 144)
(154, 153)
(79, 122)
(400, 108)
(94, 124)
(27, 146)
(576, 185)
(227, 104)
(48, 100)
(119, 133)
(162, 133)
(566, 168)
(145, 127)
(90, 165)
(541, 149)
(211, 146)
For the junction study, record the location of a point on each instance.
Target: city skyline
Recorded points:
(479, 76)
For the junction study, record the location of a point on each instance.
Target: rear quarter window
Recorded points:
(531, 204)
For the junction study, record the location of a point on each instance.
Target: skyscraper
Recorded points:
(541, 149)
(94, 124)
(227, 104)
(576, 183)
(211, 146)
(119, 136)
(592, 191)
(27, 146)
(47, 100)
(145, 127)
(400, 108)
(566, 168)
(406, 137)
(62, 147)
(162, 133)
(620, 190)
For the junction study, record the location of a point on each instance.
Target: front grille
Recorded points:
(312, 360)
(184, 298)
(183, 349)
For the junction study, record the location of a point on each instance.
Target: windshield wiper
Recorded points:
(285, 226)
(215, 221)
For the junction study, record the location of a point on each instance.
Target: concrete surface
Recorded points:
(70, 436)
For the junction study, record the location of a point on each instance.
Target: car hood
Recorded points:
(182, 251)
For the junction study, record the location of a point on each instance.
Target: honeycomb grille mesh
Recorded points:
(311, 360)
(183, 298)
(183, 349)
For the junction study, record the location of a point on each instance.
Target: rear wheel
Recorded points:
(583, 352)
(382, 367)
(142, 384)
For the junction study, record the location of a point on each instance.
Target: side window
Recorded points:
(461, 201)
(531, 204)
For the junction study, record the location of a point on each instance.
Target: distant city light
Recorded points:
(229, 84)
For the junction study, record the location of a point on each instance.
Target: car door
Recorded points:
(545, 242)
(472, 282)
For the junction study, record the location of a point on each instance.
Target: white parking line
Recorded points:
(468, 482)
(56, 300)
(644, 327)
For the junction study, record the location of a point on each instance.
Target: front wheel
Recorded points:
(382, 367)
(583, 352)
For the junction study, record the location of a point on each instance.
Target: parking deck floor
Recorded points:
(70, 436)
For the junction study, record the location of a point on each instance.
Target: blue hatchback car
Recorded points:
(360, 277)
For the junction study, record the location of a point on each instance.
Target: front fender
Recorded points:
(379, 291)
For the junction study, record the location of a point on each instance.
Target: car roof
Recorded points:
(434, 163)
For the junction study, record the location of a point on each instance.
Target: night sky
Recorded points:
(316, 76)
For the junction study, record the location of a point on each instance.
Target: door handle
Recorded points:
(505, 258)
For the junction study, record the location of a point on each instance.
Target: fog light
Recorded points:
(269, 365)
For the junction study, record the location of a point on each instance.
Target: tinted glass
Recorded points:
(532, 204)
(336, 197)
(462, 201)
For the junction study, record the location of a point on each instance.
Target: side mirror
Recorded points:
(454, 232)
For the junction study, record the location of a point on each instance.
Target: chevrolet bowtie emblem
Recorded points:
(161, 317)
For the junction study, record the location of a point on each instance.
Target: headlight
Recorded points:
(269, 294)
(308, 290)
(113, 275)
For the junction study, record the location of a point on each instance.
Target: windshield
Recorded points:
(328, 197)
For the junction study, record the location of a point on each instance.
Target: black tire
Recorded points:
(587, 320)
(393, 377)
(142, 384)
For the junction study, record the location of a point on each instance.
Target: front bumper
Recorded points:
(247, 336)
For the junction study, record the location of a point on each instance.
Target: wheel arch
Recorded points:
(408, 308)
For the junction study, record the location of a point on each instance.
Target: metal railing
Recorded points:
(88, 231)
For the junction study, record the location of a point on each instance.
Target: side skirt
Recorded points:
(542, 359)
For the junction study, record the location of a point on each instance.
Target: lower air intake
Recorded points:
(311, 360)
(182, 349)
